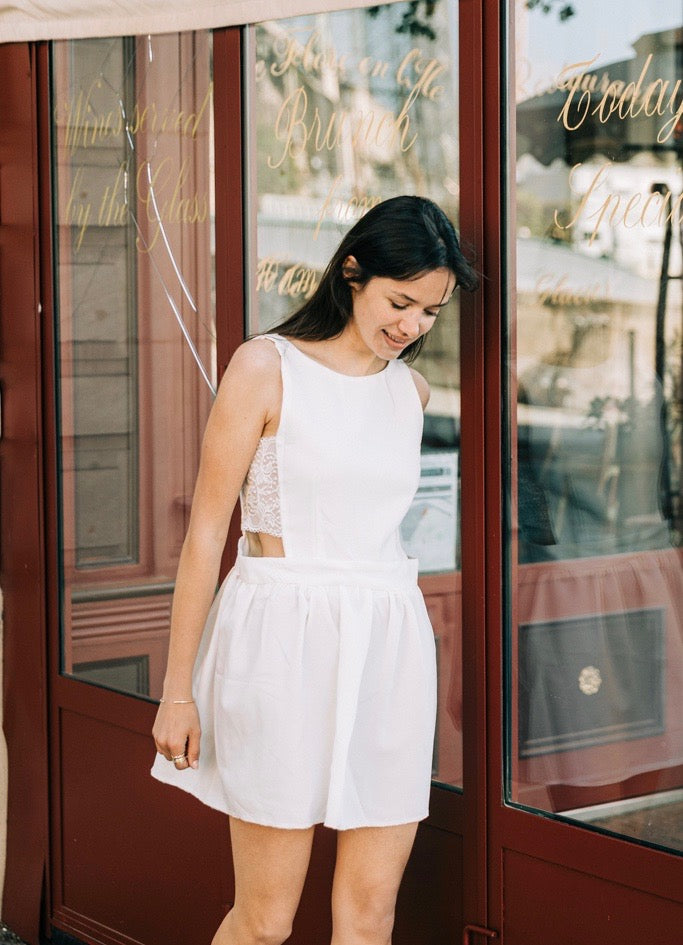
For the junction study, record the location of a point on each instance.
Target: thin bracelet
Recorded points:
(178, 701)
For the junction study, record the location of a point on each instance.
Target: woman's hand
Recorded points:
(176, 734)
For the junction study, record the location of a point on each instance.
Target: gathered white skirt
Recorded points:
(315, 683)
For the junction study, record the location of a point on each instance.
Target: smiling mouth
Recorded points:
(394, 339)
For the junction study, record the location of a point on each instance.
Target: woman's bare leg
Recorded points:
(270, 869)
(369, 869)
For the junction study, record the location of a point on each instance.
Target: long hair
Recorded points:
(401, 238)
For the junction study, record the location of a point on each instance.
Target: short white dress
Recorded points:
(315, 678)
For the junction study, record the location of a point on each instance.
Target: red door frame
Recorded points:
(22, 574)
(476, 596)
(548, 881)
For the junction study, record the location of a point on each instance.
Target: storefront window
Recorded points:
(595, 655)
(346, 109)
(132, 146)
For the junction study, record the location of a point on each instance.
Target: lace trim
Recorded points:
(261, 491)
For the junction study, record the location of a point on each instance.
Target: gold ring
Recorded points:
(176, 758)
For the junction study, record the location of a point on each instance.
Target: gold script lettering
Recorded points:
(292, 55)
(553, 290)
(425, 72)
(182, 206)
(619, 210)
(296, 128)
(113, 207)
(343, 211)
(623, 100)
(267, 270)
(76, 212)
(85, 127)
(298, 280)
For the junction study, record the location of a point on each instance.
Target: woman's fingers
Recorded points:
(193, 748)
(179, 758)
(176, 735)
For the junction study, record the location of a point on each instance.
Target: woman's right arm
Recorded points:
(248, 399)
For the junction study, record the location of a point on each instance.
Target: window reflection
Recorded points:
(347, 109)
(597, 658)
(134, 270)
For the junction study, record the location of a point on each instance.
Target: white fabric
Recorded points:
(316, 675)
(24, 20)
(260, 496)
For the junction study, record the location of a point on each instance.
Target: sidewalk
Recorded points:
(7, 937)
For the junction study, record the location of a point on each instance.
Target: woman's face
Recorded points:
(389, 314)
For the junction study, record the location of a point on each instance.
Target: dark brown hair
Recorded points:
(401, 238)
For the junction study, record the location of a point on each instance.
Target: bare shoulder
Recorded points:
(258, 357)
(252, 382)
(422, 387)
(254, 364)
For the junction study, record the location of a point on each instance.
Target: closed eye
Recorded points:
(402, 308)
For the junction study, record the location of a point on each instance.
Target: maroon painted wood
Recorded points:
(131, 850)
(230, 272)
(492, 533)
(570, 906)
(21, 537)
(475, 309)
(430, 903)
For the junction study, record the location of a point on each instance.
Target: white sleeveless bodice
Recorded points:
(339, 475)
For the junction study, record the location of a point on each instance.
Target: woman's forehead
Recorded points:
(435, 282)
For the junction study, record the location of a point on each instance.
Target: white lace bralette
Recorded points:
(261, 491)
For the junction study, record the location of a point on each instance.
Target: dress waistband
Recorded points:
(400, 574)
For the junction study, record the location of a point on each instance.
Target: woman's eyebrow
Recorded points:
(414, 301)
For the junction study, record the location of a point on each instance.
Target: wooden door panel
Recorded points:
(127, 866)
(545, 902)
(429, 909)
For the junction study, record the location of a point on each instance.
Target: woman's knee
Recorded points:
(270, 928)
(263, 926)
(366, 914)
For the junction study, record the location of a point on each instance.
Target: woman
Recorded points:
(314, 676)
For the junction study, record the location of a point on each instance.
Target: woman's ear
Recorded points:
(351, 269)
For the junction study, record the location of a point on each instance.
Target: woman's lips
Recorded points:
(393, 341)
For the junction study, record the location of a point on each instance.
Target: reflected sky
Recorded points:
(607, 28)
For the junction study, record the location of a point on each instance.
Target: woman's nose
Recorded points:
(410, 324)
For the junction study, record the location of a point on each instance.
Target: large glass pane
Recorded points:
(595, 649)
(132, 145)
(346, 109)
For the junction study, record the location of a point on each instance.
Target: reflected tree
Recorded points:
(564, 10)
(415, 19)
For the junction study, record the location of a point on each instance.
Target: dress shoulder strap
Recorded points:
(279, 341)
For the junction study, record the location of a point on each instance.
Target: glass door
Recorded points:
(593, 662)
(345, 109)
(132, 378)
(596, 656)
(133, 172)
